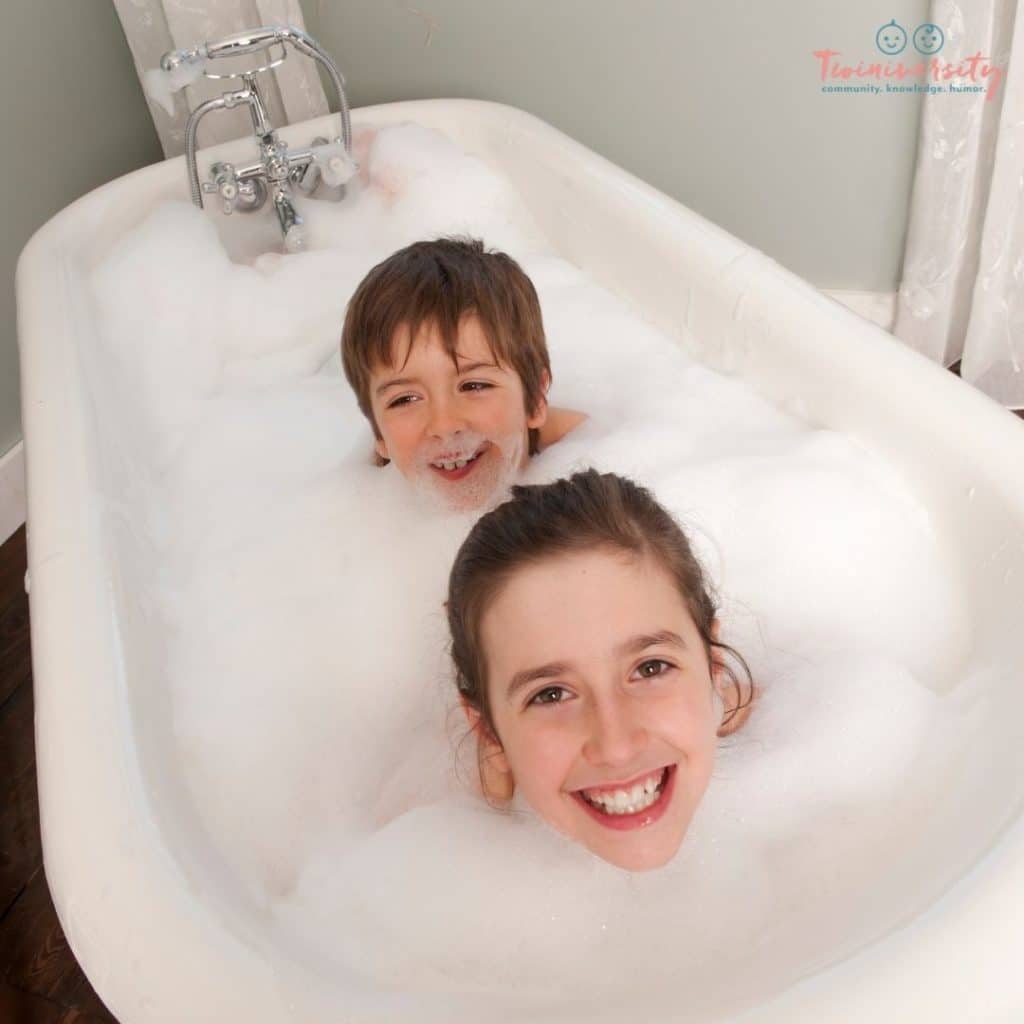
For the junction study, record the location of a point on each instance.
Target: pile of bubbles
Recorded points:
(298, 593)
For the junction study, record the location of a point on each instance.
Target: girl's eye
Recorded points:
(653, 667)
(549, 695)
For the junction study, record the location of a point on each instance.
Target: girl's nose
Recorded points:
(615, 733)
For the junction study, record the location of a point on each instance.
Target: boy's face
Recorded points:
(604, 702)
(457, 430)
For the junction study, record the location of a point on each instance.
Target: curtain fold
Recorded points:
(152, 27)
(962, 293)
(993, 356)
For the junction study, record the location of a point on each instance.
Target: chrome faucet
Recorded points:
(277, 169)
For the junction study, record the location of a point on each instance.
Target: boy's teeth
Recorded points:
(456, 464)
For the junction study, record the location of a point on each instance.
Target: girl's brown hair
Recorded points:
(439, 282)
(585, 511)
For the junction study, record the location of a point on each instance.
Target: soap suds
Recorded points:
(297, 593)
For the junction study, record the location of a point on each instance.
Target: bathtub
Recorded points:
(140, 902)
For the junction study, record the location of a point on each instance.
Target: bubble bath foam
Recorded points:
(251, 773)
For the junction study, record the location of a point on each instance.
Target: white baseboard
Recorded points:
(12, 490)
(878, 307)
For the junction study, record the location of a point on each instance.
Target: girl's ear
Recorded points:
(742, 698)
(471, 713)
(718, 673)
(736, 697)
(495, 773)
(726, 698)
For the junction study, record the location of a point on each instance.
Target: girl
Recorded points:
(588, 665)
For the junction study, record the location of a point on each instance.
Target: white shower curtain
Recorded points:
(152, 27)
(962, 293)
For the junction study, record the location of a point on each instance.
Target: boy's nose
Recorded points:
(445, 419)
(615, 732)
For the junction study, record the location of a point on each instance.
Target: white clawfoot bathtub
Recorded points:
(156, 935)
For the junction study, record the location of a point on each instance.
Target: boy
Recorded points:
(444, 347)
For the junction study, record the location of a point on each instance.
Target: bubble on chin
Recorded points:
(484, 488)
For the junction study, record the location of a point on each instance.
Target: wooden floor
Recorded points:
(40, 981)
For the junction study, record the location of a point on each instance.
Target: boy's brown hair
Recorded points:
(440, 282)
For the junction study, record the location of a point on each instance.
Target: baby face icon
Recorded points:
(928, 39)
(891, 39)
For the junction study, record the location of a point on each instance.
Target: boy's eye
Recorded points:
(476, 385)
(653, 667)
(549, 695)
(400, 400)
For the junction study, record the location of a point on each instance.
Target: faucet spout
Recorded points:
(290, 220)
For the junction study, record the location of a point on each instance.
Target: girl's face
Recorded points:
(603, 701)
(457, 430)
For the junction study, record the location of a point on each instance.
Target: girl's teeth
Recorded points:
(627, 801)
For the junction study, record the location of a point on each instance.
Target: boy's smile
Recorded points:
(458, 429)
(457, 466)
(603, 700)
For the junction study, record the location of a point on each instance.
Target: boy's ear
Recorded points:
(381, 448)
(539, 415)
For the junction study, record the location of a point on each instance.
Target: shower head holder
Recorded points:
(276, 168)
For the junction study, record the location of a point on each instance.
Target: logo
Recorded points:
(891, 39)
(926, 73)
(928, 39)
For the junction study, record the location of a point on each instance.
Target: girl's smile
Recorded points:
(603, 701)
(630, 805)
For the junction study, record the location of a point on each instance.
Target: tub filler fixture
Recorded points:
(142, 904)
(245, 187)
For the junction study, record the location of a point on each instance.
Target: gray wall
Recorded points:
(73, 117)
(717, 104)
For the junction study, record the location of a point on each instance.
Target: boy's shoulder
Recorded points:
(558, 423)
